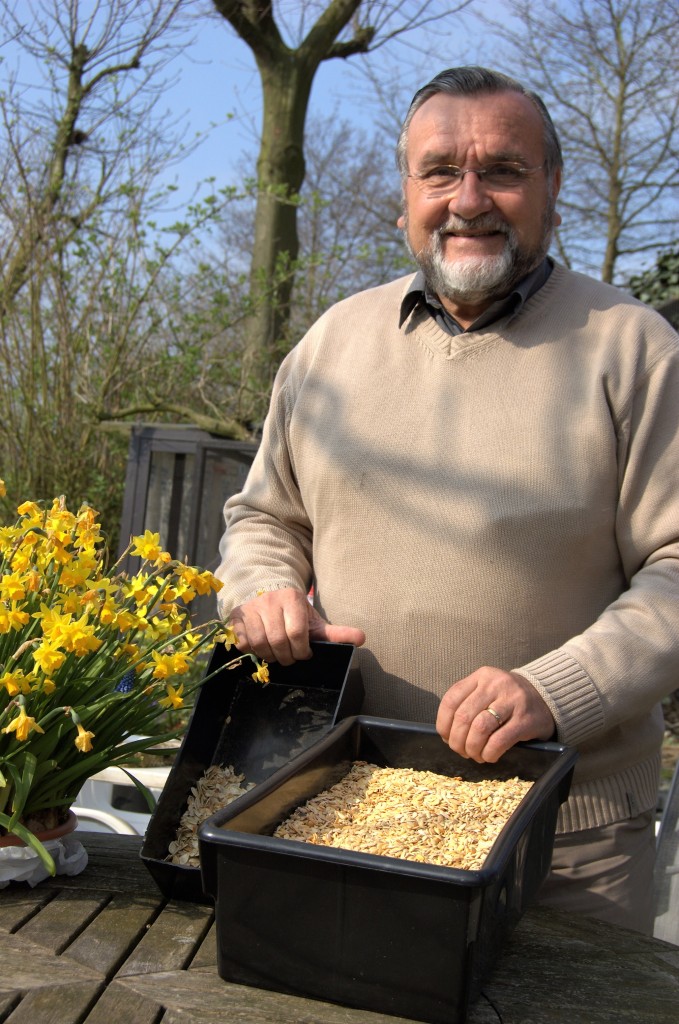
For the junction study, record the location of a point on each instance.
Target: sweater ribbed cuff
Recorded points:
(569, 693)
(613, 798)
(225, 611)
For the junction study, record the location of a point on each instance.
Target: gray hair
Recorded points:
(477, 81)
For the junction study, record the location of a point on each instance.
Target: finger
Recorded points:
(471, 728)
(319, 629)
(487, 738)
(273, 626)
(251, 636)
(450, 702)
(286, 626)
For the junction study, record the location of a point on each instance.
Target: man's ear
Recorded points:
(400, 222)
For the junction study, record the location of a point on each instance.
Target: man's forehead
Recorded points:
(501, 120)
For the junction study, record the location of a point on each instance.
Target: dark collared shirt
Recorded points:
(419, 294)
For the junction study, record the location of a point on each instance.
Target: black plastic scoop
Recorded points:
(265, 726)
(254, 728)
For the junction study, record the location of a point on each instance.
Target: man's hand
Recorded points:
(517, 712)
(278, 625)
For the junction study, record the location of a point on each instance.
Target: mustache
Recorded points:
(485, 222)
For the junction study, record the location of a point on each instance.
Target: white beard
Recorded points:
(472, 279)
(478, 279)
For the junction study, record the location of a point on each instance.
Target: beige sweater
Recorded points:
(508, 497)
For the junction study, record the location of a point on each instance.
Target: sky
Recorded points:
(218, 89)
(214, 88)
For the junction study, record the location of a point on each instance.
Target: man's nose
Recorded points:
(471, 198)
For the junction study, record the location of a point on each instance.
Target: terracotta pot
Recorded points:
(67, 826)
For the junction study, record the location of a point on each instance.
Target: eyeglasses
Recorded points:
(446, 179)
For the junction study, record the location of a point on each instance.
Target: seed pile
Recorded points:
(413, 815)
(216, 788)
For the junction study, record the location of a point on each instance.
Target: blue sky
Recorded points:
(218, 89)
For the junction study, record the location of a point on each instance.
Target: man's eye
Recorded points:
(503, 172)
(445, 171)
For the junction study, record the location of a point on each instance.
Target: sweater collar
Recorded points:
(419, 294)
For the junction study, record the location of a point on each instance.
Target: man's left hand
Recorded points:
(486, 713)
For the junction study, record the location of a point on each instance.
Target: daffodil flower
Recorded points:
(22, 725)
(15, 682)
(147, 546)
(162, 665)
(228, 637)
(76, 638)
(174, 697)
(262, 674)
(47, 658)
(83, 739)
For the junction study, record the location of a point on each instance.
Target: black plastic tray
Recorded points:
(254, 728)
(382, 934)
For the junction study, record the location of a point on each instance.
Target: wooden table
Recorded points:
(107, 948)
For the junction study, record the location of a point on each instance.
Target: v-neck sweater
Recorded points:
(504, 497)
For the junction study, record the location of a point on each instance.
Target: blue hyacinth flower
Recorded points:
(127, 682)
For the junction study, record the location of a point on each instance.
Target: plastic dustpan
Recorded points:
(265, 726)
(255, 729)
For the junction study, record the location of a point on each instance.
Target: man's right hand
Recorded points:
(278, 625)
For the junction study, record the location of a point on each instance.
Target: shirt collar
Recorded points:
(418, 294)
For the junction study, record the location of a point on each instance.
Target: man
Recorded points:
(477, 468)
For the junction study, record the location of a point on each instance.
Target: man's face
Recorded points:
(475, 244)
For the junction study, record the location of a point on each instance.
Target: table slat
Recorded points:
(206, 956)
(205, 996)
(65, 1004)
(18, 903)
(169, 943)
(62, 920)
(121, 1005)
(110, 938)
(26, 965)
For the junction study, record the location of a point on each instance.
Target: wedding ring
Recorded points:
(493, 712)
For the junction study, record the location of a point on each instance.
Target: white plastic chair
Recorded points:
(97, 797)
(92, 820)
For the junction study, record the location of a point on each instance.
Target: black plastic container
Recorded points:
(254, 728)
(382, 934)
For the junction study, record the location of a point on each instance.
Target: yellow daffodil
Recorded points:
(22, 726)
(31, 512)
(228, 637)
(47, 658)
(77, 638)
(262, 673)
(162, 665)
(52, 619)
(16, 617)
(15, 682)
(147, 547)
(202, 582)
(126, 621)
(12, 587)
(174, 697)
(83, 739)
(180, 664)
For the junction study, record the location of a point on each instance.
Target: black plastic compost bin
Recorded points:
(256, 729)
(382, 934)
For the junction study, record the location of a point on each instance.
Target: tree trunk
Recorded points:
(280, 173)
(287, 75)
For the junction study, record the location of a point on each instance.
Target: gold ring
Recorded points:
(493, 712)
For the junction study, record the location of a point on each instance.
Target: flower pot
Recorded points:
(69, 825)
(21, 863)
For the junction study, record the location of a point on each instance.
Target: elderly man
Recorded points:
(477, 468)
